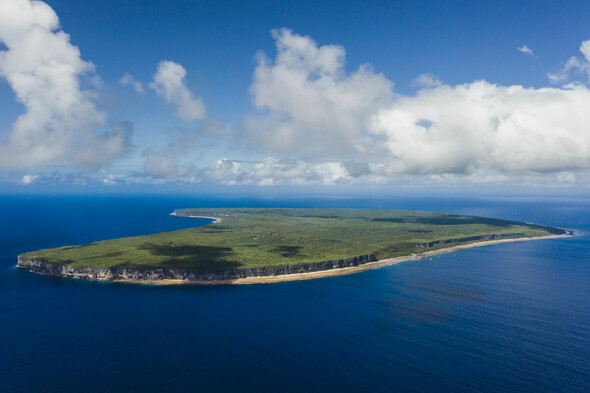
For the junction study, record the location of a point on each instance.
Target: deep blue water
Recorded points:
(504, 318)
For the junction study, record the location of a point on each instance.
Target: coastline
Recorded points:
(342, 271)
(216, 220)
(319, 273)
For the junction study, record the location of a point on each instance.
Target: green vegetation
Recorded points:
(248, 238)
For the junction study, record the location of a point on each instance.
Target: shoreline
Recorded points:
(216, 220)
(320, 273)
(341, 271)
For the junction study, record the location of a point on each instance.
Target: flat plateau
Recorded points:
(248, 246)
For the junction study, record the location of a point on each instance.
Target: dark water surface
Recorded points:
(504, 318)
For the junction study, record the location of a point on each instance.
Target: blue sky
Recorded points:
(267, 93)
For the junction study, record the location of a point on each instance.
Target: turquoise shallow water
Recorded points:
(509, 317)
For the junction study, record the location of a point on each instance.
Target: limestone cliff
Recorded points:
(114, 274)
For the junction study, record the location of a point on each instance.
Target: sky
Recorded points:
(331, 94)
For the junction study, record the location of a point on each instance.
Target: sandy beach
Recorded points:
(216, 219)
(340, 271)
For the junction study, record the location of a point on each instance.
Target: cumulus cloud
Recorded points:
(44, 69)
(168, 82)
(128, 80)
(332, 173)
(480, 125)
(344, 130)
(314, 106)
(164, 166)
(227, 171)
(575, 65)
(526, 50)
(315, 123)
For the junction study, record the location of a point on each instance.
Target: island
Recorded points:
(242, 246)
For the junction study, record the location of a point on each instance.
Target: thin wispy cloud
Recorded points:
(526, 50)
(426, 80)
(128, 80)
(575, 66)
(165, 166)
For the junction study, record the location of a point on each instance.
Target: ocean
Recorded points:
(511, 317)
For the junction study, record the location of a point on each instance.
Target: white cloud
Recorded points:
(164, 166)
(270, 171)
(273, 171)
(43, 69)
(331, 173)
(526, 50)
(482, 126)
(227, 171)
(348, 131)
(55, 177)
(128, 80)
(109, 179)
(29, 179)
(169, 83)
(316, 123)
(574, 65)
(315, 107)
(426, 80)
